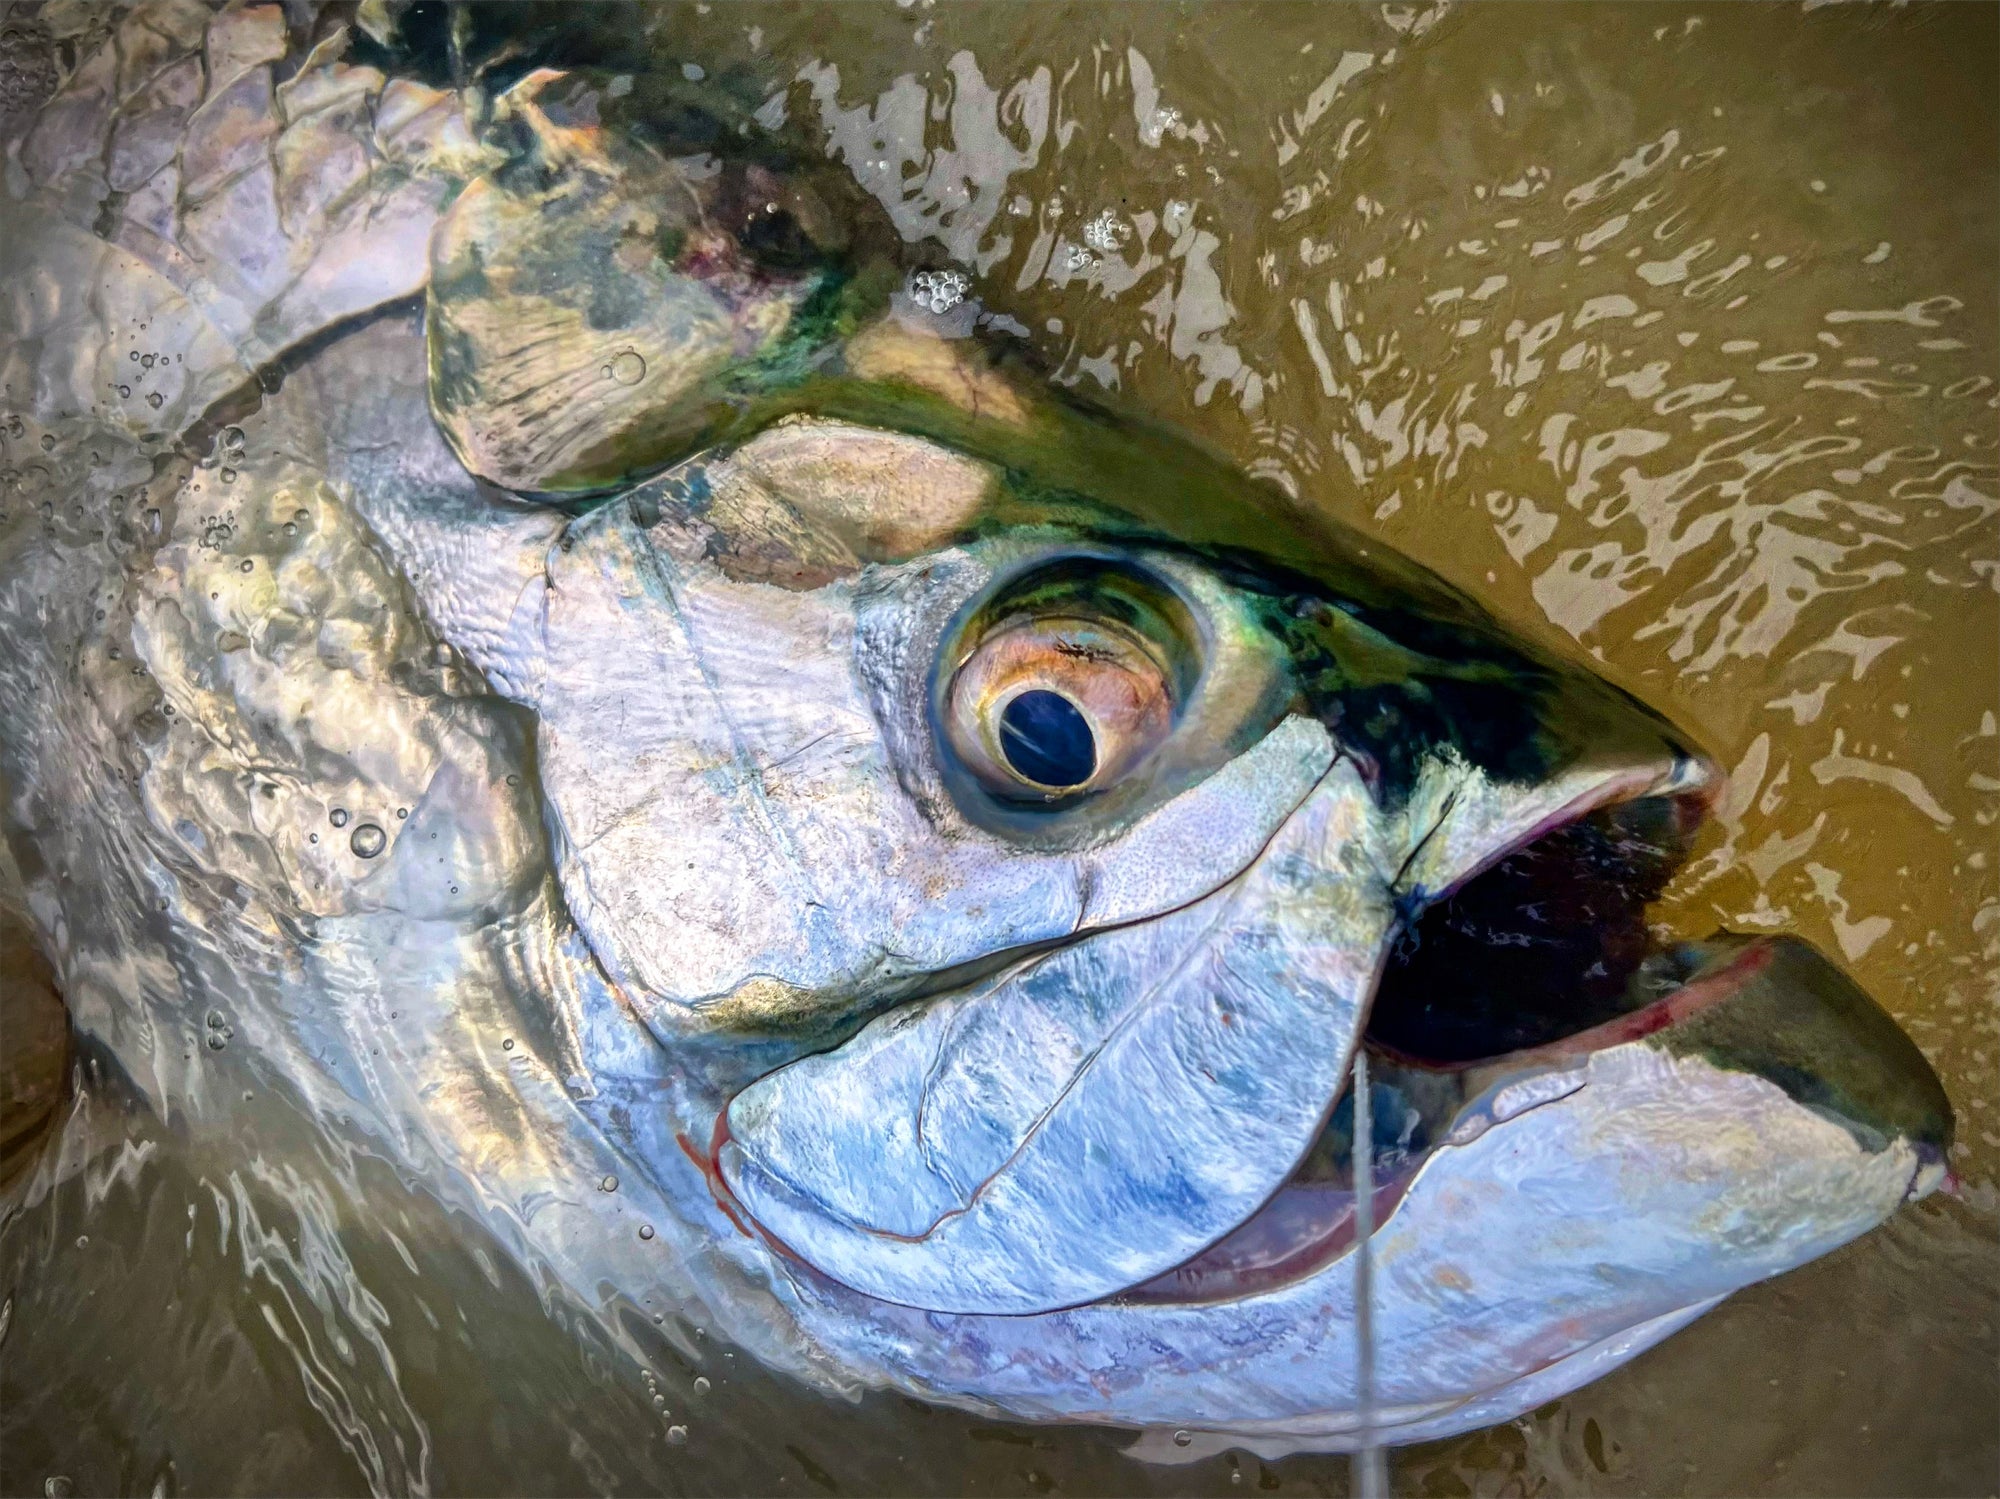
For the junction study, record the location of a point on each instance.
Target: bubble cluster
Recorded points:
(939, 291)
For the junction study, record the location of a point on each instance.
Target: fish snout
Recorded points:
(1476, 742)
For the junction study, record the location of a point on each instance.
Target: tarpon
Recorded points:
(521, 628)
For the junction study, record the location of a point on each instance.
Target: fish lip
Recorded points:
(1692, 779)
(1688, 783)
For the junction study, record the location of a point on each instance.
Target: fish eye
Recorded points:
(1064, 687)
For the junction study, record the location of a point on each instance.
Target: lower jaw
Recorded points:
(1311, 1222)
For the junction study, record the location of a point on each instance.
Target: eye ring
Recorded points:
(1050, 708)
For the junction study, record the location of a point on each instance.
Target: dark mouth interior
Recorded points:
(1542, 945)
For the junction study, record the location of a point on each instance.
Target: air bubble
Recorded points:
(229, 476)
(246, 566)
(677, 1436)
(217, 1040)
(156, 400)
(368, 841)
(338, 817)
(1106, 232)
(216, 1019)
(701, 1384)
(507, 1044)
(627, 368)
(58, 1487)
(609, 1184)
(645, 1230)
(1183, 1438)
(232, 437)
(48, 442)
(124, 392)
(291, 528)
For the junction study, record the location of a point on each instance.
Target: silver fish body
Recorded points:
(936, 846)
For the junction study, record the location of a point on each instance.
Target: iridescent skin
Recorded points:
(543, 843)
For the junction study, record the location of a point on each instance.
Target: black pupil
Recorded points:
(1046, 740)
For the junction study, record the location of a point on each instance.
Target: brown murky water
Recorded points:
(1671, 331)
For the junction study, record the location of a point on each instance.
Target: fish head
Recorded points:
(1009, 822)
(1011, 881)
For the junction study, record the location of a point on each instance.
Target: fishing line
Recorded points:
(1371, 1468)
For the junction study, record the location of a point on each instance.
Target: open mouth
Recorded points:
(1545, 943)
(1544, 956)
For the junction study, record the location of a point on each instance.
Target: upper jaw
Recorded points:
(1460, 820)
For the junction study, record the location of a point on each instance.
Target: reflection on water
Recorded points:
(1669, 331)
